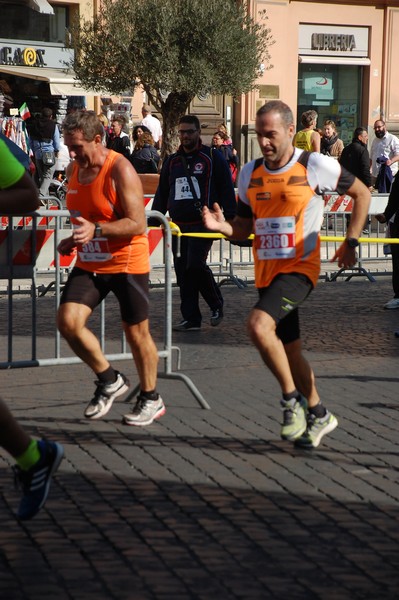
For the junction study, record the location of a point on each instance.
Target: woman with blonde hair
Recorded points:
(105, 123)
(331, 145)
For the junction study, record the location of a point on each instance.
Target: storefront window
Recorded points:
(22, 23)
(334, 92)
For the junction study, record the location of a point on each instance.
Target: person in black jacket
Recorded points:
(118, 140)
(391, 216)
(145, 157)
(356, 159)
(191, 178)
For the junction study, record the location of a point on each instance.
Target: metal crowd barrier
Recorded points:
(231, 263)
(30, 242)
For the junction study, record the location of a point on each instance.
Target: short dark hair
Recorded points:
(280, 107)
(358, 131)
(119, 119)
(85, 121)
(191, 119)
(47, 112)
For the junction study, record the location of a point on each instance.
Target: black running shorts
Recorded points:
(90, 289)
(281, 300)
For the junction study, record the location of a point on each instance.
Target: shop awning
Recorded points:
(61, 83)
(334, 60)
(41, 6)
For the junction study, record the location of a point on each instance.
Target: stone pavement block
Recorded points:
(212, 504)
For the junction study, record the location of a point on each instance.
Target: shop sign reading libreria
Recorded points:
(333, 40)
(22, 57)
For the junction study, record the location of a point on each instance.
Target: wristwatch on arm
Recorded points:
(97, 230)
(352, 242)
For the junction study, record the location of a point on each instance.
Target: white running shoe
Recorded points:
(145, 411)
(104, 396)
(394, 303)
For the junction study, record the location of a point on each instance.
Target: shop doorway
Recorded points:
(334, 91)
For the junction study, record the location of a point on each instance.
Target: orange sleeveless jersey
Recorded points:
(97, 202)
(287, 218)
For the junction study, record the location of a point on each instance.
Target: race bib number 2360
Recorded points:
(275, 238)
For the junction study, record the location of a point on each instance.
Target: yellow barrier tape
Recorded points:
(175, 229)
(362, 240)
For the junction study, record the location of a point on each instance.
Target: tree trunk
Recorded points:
(174, 107)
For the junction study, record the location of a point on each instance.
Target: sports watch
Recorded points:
(352, 242)
(97, 230)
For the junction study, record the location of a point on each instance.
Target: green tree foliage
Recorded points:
(175, 49)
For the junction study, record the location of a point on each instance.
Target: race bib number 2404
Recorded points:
(275, 238)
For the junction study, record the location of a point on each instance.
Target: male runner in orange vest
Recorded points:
(105, 198)
(280, 202)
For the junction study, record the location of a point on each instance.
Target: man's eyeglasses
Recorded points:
(188, 131)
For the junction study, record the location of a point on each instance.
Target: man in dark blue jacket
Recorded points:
(356, 159)
(191, 178)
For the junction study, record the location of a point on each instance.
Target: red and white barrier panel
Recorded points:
(44, 250)
(343, 204)
(24, 222)
(155, 239)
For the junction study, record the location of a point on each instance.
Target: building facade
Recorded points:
(336, 57)
(34, 56)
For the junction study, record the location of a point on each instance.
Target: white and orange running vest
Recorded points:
(287, 212)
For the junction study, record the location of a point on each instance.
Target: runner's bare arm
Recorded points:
(345, 255)
(237, 229)
(130, 194)
(21, 197)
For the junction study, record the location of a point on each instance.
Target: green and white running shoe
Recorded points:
(316, 429)
(294, 418)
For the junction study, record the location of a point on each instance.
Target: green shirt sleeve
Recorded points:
(11, 170)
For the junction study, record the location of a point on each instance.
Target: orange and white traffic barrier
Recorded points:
(41, 256)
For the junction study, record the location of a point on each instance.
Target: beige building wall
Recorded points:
(380, 90)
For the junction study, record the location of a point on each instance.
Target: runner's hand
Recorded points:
(345, 256)
(66, 246)
(212, 218)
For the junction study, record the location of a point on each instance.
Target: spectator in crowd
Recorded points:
(36, 460)
(391, 216)
(356, 159)
(190, 179)
(218, 143)
(285, 218)
(105, 199)
(45, 138)
(105, 123)
(138, 131)
(153, 125)
(386, 145)
(307, 138)
(222, 129)
(118, 140)
(145, 157)
(330, 144)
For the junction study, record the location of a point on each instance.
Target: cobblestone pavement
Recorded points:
(212, 504)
